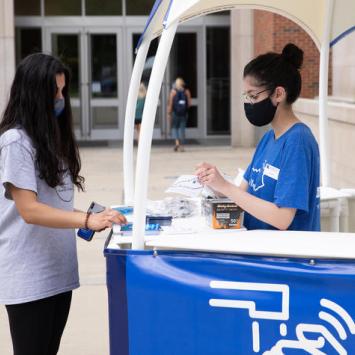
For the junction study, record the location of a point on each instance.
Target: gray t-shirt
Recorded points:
(35, 262)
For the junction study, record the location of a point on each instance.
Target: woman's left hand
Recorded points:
(209, 175)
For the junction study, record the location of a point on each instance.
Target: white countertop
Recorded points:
(193, 234)
(193, 227)
(317, 245)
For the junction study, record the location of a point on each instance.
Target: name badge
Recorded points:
(271, 171)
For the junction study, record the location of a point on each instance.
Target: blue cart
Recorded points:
(250, 295)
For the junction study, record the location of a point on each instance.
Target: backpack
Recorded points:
(180, 103)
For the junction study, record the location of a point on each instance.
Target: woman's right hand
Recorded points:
(210, 176)
(105, 219)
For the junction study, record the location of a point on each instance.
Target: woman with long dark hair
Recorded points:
(280, 187)
(39, 166)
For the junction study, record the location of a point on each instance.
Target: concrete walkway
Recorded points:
(87, 329)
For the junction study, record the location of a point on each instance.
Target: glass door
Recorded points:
(185, 61)
(103, 85)
(218, 80)
(66, 45)
(160, 125)
(92, 56)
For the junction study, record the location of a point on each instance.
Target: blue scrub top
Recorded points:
(285, 171)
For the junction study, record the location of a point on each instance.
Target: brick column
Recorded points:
(7, 50)
(273, 32)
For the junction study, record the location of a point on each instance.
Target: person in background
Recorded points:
(178, 105)
(281, 185)
(139, 109)
(39, 167)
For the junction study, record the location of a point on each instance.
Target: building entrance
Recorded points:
(183, 62)
(99, 50)
(93, 58)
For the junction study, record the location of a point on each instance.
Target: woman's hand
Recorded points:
(209, 175)
(105, 219)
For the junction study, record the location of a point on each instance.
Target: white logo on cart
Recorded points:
(312, 346)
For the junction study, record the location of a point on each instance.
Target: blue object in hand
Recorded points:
(86, 234)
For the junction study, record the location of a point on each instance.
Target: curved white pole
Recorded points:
(128, 161)
(323, 95)
(146, 135)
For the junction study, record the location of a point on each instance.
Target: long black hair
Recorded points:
(31, 108)
(279, 69)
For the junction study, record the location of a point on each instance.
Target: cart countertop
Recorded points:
(318, 245)
(193, 234)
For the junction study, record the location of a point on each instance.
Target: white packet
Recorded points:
(187, 185)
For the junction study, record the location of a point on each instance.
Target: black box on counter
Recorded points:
(222, 213)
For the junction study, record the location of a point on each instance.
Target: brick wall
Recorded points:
(272, 32)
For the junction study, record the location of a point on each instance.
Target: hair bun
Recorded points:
(293, 55)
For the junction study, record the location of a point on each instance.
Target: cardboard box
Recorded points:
(222, 213)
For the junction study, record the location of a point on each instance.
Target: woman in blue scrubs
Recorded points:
(280, 186)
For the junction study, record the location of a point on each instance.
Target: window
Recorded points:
(103, 8)
(104, 65)
(66, 47)
(27, 7)
(28, 41)
(139, 7)
(218, 80)
(147, 70)
(183, 60)
(183, 63)
(62, 8)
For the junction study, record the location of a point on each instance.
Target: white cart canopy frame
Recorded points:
(326, 21)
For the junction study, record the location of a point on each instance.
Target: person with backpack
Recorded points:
(179, 103)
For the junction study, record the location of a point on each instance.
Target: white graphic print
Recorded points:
(252, 183)
(256, 170)
(312, 346)
(267, 170)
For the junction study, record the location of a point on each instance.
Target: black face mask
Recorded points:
(261, 113)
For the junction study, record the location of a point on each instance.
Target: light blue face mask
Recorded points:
(59, 105)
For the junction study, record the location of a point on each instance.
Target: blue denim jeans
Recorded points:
(178, 127)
